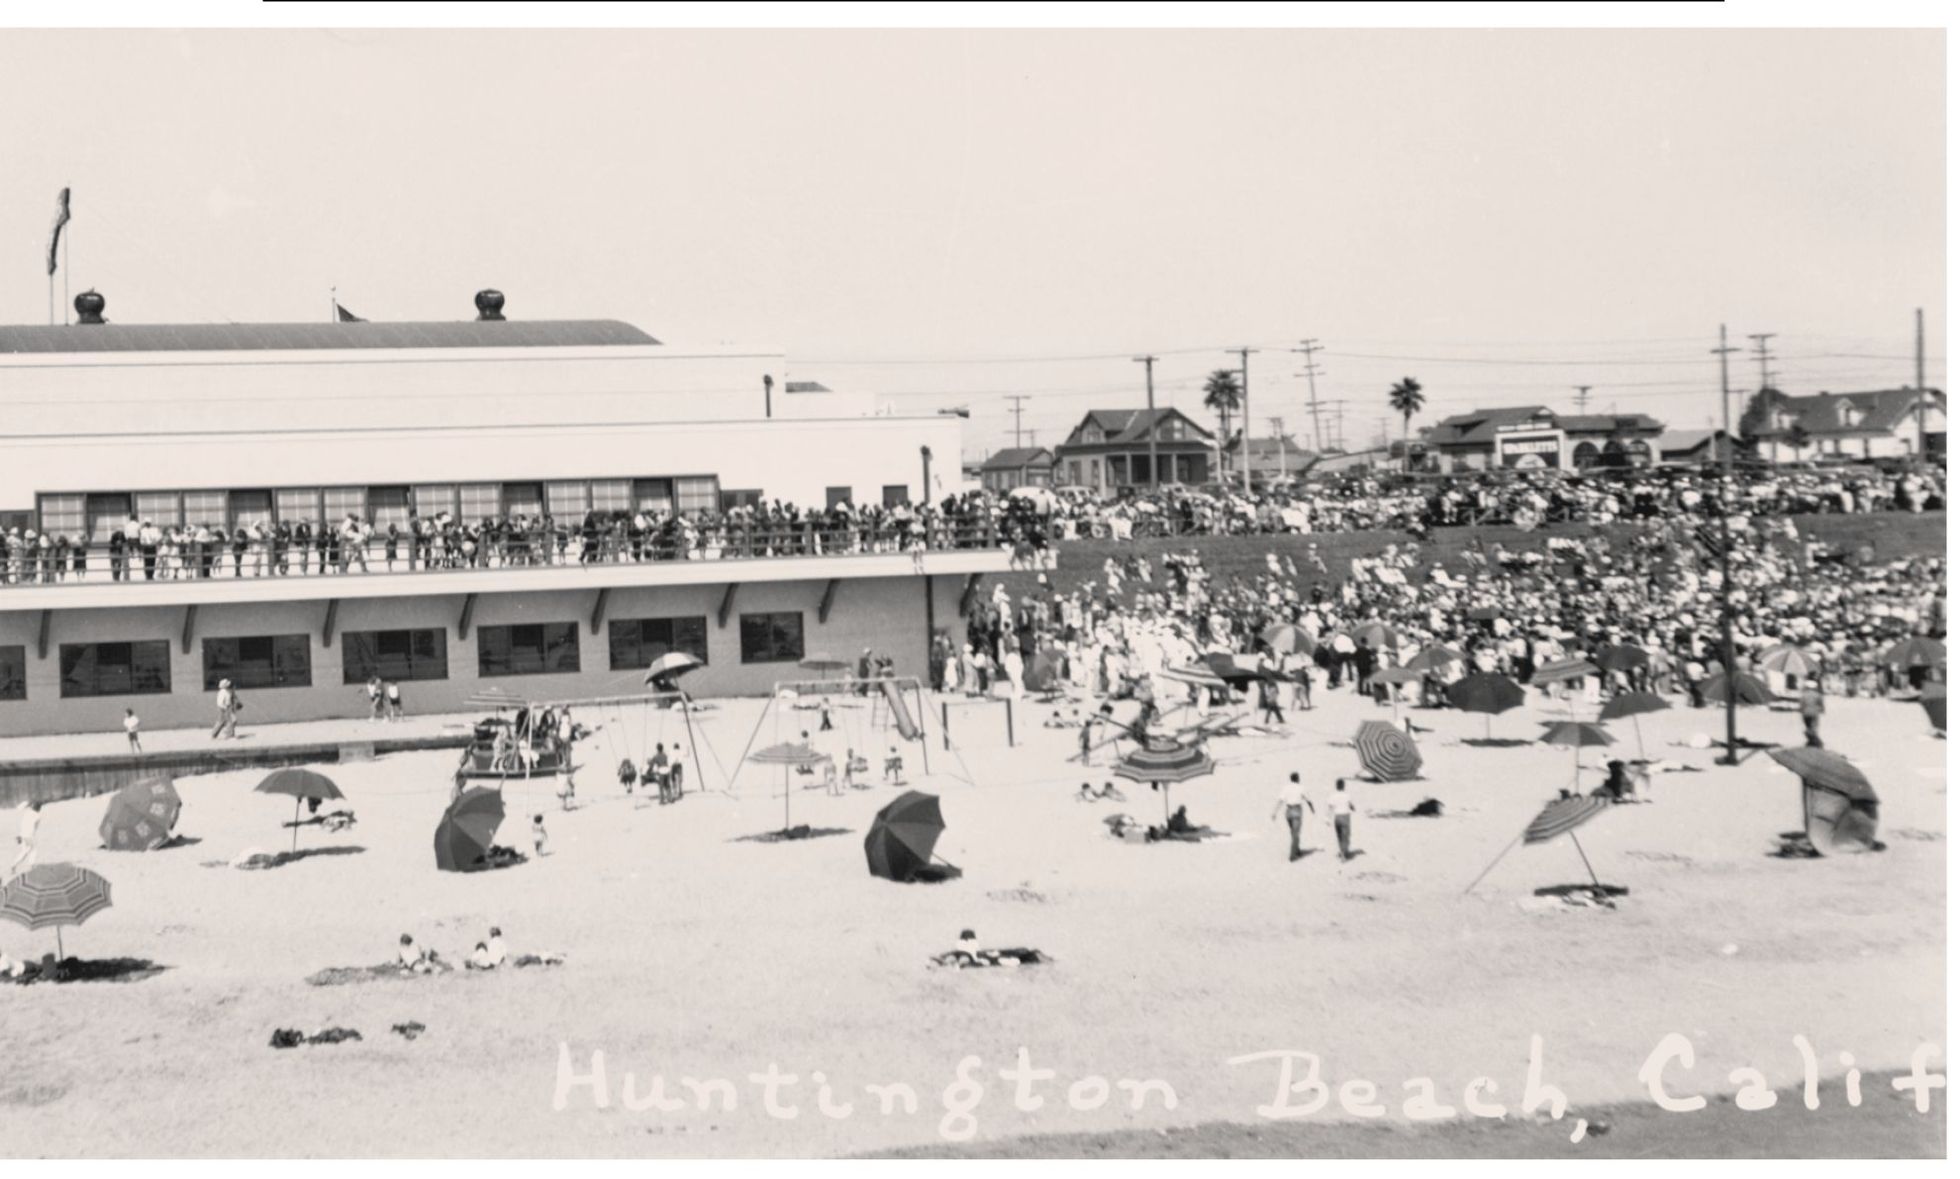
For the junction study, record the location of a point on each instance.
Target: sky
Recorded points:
(949, 218)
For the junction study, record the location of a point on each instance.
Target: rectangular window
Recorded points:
(61, 515)
(298, 504)
(653, 495)
(523, 499)
(263, 661)
(115, 669)
(546, 648)
(204, 507)
(250, 507)
(432, 500)
(896, 494)
(397, 655)
(740, 499)
(612, 495)
(480, 502)
(698, 494)
(567, 501)
(832, 496)
(338, 503)
(772, 638)
(637, 642)
(388, 505)
(106, 514)
(13, 673)
(161, 508)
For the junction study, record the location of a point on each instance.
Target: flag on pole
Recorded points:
(54, 236)
(344, 315)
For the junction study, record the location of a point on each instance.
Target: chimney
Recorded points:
(88, 307)
(489, 306)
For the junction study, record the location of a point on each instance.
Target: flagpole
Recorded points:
(333, 304)
(65, 239)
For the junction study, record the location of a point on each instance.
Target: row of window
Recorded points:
(142, 667)
(99, 514)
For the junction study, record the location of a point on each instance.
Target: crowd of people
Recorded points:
(1025, 522)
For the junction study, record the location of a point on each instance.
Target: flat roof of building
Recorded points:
(286, 337)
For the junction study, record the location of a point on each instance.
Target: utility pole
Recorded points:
(1762, 340)
(1306, 349)
(1583, 390)
(1149, 364)
(1728, 607)
(1017, 399)
(1340, 435)
(1279, 424)
(1245, 403)
(1919, 375)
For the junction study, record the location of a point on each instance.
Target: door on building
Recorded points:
(106, 513)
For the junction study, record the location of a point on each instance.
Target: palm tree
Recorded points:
(1222, 397)
(1406, 399)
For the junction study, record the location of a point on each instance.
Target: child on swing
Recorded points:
(894, 767)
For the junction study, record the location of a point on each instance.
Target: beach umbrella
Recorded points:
(786, 754)
(1578, 734)
(823, 663)
(903, 835)
(496, 697)
(1917, 651)
(1632, 705)
(1228, 668)
(1825, 770)
(1934, 702)
(1560, 670)
(673, 663)
(1289, 638)
(140, 816)
(1164, 766)
(54, 894)
(1561, 816)
(1840, 808)
(1198, 674)
(1039, 674)
(467, 828)
(1485, 692)
(1746, 688)
(1435, 658)
(300, 784)
(1379, 635)
(1621, 657)
(1386, 751)
(1785, 659)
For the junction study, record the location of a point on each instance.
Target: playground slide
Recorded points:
(901, 716)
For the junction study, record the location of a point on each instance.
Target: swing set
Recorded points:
(635, 732)
(896, 705)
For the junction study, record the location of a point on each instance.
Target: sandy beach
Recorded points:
(693, 952)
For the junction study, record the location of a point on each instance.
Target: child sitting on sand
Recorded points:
(416, 960)
(968, 955)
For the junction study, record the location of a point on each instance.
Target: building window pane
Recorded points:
(832, 496)
(744, 498)
(297, 504)
(61, 515)
(204, 507)
(341, 502)
(697, 494)
(265, 661)
(434, 499)
(160, 508)
(528, 649)
(772, 638)
(395, 655)
(481, 501)
(523, 499)
(108, 514)
(115, 669)
(567, 501)
(636, 642)
(895, 494)
(250, 507)
(653, 495)
(13, 673)
(612, 495)
(388, 505)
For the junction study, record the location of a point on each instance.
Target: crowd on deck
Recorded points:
(1507, 610)
(1027, 522)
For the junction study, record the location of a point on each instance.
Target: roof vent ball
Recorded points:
(88, 306)
(489, 305)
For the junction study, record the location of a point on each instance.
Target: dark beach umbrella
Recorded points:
(1485, 692)
(1917, 651)
(300, 784)
(140, 816)
(1435, 658)
(903, 835)
(54, 894)
(1840, 808)
(468, 828)
(786, 754)
(1746, 688)
(1164, 766)
(1934, 702)
(1621, 657)
(1826, 771)
(1288, 638)
(1633, 705)
(1228, 668)
(1386, 751)
(1577, 734)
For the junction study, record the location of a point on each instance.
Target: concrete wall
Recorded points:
(887, 614)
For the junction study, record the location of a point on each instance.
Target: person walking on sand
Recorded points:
(132, 723)
(228, 705)
(1341, 808)
(1294, 801)
(1812, 709)
(24, 837)
(537, 834)
(392, 691)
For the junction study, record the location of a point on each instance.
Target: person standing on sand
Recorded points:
(30, 826)
(228, 705)
(131, 723)
(537, 834)
(1341, 809)
(1293, 799)
(1812, 708)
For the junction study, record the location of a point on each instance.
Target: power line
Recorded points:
(1018, 399)
(1307, 349)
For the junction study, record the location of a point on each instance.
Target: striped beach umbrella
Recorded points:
(140, 816)
(1561, 816)
(1917, 651)
(1785, 659)
(54, 894)
(1161, 767)
(1746, 688)
(1386, 751)
(1197, 674)
(671, 664)
(1560, 671)
(1378, 635)
(1289, 638)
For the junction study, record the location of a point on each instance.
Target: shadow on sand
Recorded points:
(79, 970)
(1590, 890)
(787, 835)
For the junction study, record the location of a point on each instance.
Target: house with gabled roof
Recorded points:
(1110, 449)
(1883, 423)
